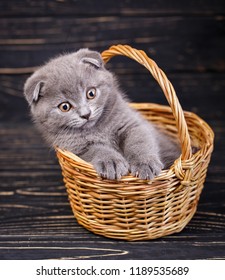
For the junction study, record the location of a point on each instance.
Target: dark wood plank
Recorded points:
(56, 247)
(178, 43)
(91, 8)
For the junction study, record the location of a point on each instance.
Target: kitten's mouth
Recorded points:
(83, 123)
(88, 123)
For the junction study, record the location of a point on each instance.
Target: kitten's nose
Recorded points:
(86, 116)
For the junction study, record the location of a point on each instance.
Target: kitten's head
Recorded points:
(70, 91)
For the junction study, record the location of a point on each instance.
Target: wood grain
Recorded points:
(83, 8)
(180, 43)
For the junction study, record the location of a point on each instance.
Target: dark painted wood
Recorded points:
(178, 43)
(186, 38)
(123, 8)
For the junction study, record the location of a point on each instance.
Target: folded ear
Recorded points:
(91, 57)
(32, 89)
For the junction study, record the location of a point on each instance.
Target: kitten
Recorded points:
(77, 105)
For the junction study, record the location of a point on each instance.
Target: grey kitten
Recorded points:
(77, 105)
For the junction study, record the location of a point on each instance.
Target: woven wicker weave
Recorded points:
(134, 209)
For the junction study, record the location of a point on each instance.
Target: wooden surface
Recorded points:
(185, 38)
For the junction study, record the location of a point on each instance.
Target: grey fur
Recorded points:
(104, 130)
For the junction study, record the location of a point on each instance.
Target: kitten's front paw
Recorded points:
(111, 168)
(146, 170)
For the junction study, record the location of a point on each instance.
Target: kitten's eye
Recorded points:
(91, 93)
(65, 106)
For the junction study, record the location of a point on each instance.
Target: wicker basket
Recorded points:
(133, 209)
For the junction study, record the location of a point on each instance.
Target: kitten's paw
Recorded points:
(112, 168)
(146, 171)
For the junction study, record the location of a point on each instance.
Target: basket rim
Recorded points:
(166, 173)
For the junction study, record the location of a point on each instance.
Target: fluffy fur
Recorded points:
(77, 105)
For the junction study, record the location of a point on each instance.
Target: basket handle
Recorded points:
(141, 57)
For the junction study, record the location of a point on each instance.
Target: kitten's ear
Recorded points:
(91, 57)
(32, 89)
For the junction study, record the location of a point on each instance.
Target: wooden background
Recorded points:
(185, 38)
